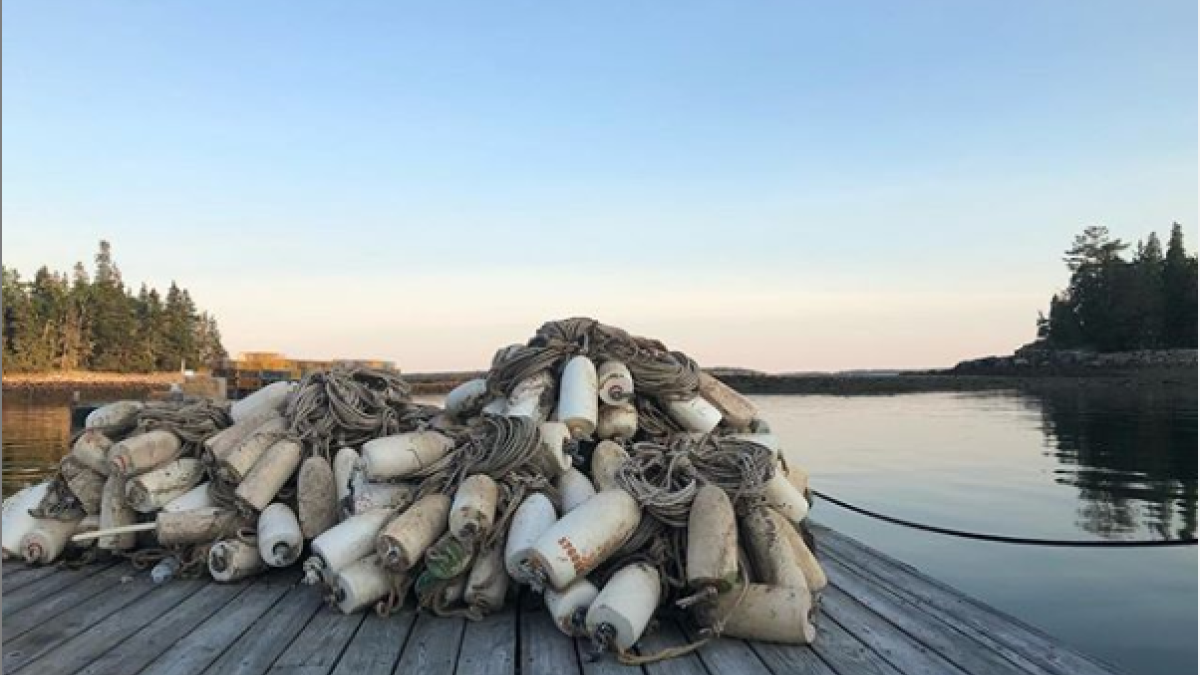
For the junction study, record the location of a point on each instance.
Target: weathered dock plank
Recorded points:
(489, 647)
(377, 645)
(544, 649)
(31, 616)
(256, 650)
(433, 646)
(53, 581)
(321, 644)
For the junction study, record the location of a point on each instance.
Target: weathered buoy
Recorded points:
(533, 517)
(114, 512)
(85, 484)
(201, 525)
(150, 491)
(772, 554)
(116, 416)
(279, 537)
(361, 584)
(614, 383)
(465, 400)
(617, 422)
(344, 467)
(526, 398)
(782, 496)
(569, 606)
(607, 459)
(316, 497)
(403, 455)
(403, 541)
(798, 477)
(144, 452)
(578, 402)
(620, 613)
(350, 540)
(585, 537)
(45, 542)
(16, 520)
(369, 496)
(196, 498)
(91, 450)
(270, 473)
(552, 458)
(694, 414)
(765, 613)
(736, 410)
(271, 397)
(218, 446)
(234, 560)
(712, 546)
(574, 488)
(487, 584)
(814, 574)
(240, 459)
(474, 507)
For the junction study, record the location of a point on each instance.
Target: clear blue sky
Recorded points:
(780, 185)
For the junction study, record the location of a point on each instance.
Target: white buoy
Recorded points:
(620, 613)
(197, 526)
(350, 540)
(271, 397)
(474, 507)
(694, 414)
(814, 574)
(617, 422)
(403, 541)
(534, 516)
(607, 458)
(736, 410)
(578, 397)
(614, 383)
(91, 450)
(466, 399)
(712, 546)
(151, 491)
(782, 496)
(219, 445)
(569, 606)
(45, 542)
(487, 584)
(117, 415)
(196, 498)
(234, 560)
(574, 488)
(552, 458)
(144, 452)
(370, 496)
(798, 477)
(361, 584)
(767, 544)
(16, 520)
(403, 455)
(114, 512)
(344, 463)
(585, 537)
(279, 536)
(240, 459)
(316, 497)
(765, 614)
(526, 398)
(270, 473)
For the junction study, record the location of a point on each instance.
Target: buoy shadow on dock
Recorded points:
(878, 616)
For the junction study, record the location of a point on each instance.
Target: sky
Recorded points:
(786, 186)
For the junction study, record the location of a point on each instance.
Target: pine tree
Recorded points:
(1179, 281)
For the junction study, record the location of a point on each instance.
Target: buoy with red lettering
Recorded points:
(144, 452)
(712, 546)
(403, 541)
(474, 508)
(46, 541)
(584, 538)
(574, 489)
(350, 540)
(533, 517)
(694, 414)
(614, 383)
(578, 397)
(154, 489)
(234, 559)
(620, 613)
(465, 401)
(607, 459)
(360, 584)
(271, 397)
(569, 606)
(403, 455)
(765, 613)
(617, 422)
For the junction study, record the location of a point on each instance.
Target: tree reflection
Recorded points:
(1131, 451)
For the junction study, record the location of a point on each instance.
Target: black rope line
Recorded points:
(1001, 539)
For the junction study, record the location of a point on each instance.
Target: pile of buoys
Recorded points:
(598, 469)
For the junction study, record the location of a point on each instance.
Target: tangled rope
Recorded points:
(348, 405)
(191, 421)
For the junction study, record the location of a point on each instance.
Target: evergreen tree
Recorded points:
(1179, 279)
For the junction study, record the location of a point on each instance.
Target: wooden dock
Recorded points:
(879, 616)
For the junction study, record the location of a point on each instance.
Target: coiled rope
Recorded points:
(1003, 539)
(347, 405)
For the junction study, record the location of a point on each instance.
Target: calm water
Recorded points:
(1085, 464)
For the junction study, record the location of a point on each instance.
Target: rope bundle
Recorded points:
(347, 405)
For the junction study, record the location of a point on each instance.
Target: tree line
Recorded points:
(1116, 304)
(94, 322)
